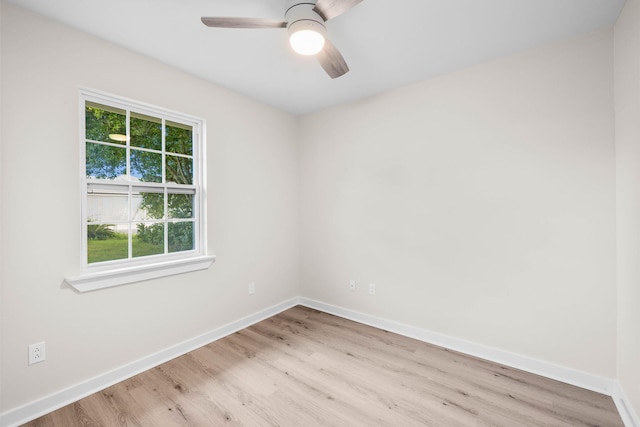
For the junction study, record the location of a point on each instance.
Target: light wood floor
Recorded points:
(307, 368)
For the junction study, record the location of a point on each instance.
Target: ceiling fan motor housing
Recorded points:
(302, 17)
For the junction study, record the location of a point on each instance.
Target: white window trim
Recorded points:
(122, 276)
(115, 273)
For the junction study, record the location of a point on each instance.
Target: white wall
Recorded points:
(252, 162)
(1, 210)
(627, 109)
(481, 204)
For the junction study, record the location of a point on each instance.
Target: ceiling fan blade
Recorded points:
(224, 22)
(329, 9)
(332, 61)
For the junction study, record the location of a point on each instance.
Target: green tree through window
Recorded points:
(142, 189)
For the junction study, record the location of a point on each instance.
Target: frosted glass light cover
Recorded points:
(307, 42)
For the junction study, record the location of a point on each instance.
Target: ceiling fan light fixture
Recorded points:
(118, 137)
(305, 24)
(307, 37)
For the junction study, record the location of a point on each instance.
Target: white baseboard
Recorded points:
(64, 397)
(585, 380)
(625, 409)
(603, 385)
(545, 369)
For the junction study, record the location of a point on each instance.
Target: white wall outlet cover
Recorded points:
(37, 353)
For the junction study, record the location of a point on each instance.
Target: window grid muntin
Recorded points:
(195, 128)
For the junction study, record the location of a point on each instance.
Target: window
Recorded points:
(142, 192)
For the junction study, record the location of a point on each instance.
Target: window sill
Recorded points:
(106, 279)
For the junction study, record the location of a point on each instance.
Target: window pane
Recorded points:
(148, 239)
(146, 166)
(104, 161)
(148, 205)
(179, 170)
(103, 207)
(142, 182)
(180, 206)
(178, 138)
(180, 236)
(146, 132)
(106, 243)
(106, 124)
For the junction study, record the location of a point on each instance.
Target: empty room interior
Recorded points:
(445, 231)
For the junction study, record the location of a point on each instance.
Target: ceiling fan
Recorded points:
(305, 23)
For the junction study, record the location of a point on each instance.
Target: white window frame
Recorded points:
(119, 272)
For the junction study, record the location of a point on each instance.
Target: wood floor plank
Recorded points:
(303, 367)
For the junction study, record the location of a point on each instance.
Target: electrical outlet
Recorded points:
(372, 288)
(252, 288)
(36, 353)
(352, 285)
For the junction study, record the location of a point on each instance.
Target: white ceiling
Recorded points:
(387, 43)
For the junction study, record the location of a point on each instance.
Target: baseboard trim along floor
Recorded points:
(628, 415)
(545, 369)
(607, 386)
(581, 379)
(64, 397)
